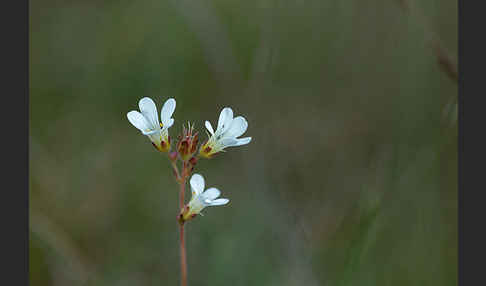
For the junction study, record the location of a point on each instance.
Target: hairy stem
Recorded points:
(183, 258)
(176, 172)
(183, 185)
(181, 228)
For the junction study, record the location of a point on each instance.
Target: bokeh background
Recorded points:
(351, 177)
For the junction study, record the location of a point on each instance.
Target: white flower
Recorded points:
(148, 121)
(200, 198)
(226, 134)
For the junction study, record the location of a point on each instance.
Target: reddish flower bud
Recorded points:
(173, 156)
(194, 142)
(183, 147)
(193, 161)
(187, 144)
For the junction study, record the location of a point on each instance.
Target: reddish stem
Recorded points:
(183, 185)
(183, 258)
(181, 228)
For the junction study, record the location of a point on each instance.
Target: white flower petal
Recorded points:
(152, 132)
(211, 194)
(237, 128)
(228, 142)
(167, 111)
(169, 123)
(138, 120)
(243, 141)
(149, 111)
(197, 184)
(219, 202)
(209, 127)
(225, 118)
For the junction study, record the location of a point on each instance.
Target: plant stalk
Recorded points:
(181, 228)
(183, 258)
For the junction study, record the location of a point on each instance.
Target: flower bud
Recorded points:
(193, 161)
(187, 144)
(173, 156)
(183, 148)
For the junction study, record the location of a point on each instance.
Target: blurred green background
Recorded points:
(351, 177)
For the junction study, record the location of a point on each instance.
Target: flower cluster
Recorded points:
(226, 135)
